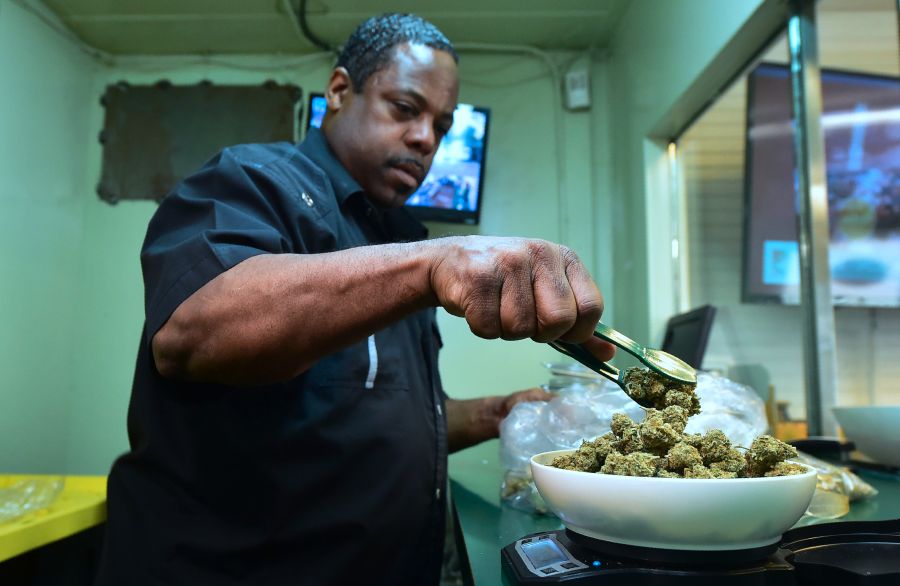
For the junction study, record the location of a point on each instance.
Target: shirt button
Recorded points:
(439, 409)
(437, 494)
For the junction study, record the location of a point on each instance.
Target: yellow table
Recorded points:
(81, 505)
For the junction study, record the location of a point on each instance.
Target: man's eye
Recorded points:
(404, 108)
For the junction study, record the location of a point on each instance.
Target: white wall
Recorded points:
(658, 51)
(46, 93)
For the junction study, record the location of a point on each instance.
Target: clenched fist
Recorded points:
(515, 288)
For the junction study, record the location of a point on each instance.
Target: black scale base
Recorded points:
(848, 553)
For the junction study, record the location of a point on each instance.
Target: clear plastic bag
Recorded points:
(583, 409)
(839, 479)
(21, 497)
(734, 408)
(836, 488)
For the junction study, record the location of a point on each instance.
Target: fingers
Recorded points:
(601, 349)
(568, 302)
(532, 394)
(482, 308)
(513, 289)
(588, 301)
(500, 301)
(554, 301)
(518, 317)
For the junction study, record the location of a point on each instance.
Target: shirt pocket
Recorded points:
(391, 353)
(381, 361)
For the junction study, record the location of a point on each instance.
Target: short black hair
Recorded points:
(370, 46)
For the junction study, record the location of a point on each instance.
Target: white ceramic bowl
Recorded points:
(874, 429)
(674, 513)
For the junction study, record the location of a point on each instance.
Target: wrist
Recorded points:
(430, 255)
(487, 418)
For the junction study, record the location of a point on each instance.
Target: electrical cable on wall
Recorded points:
(559, 131)
(152, 64)
(53, 22)
(300, 15)
(298, 18)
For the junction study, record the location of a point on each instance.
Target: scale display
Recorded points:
(543, 555)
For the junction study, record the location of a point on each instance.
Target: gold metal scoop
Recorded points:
(656, 360)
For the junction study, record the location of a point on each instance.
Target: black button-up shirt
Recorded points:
(333, 477)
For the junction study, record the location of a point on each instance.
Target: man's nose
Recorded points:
(421, 136)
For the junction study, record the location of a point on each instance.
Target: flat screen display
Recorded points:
(452, 190)
(861, 124)
(687, 334)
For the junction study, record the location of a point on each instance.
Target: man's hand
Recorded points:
(502, 405)
(514, 288)
(473, 421)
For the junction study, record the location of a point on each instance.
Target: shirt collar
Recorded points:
(399, 223)
(316, 148)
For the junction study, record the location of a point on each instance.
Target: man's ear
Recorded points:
(339, 88)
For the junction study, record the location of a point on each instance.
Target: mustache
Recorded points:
(400, 161)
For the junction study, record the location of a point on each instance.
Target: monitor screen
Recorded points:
(861, 124)
(452, 190)
(687, 334)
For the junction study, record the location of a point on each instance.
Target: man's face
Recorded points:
(386, 135)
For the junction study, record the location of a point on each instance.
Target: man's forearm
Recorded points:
(271, 317)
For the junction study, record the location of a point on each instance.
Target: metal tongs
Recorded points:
(656, 360)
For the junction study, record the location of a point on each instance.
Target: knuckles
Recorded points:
(590, 308)
(569, 256)
(483, 268)
(555, 322)
(519, 330)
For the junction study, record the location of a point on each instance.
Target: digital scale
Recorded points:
(846, 553)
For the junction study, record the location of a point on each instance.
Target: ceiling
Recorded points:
(173, 27)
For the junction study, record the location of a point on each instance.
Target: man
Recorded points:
(287, 421)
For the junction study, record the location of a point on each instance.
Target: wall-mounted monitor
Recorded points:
(452, 190)
(687, 334)
(861, 124)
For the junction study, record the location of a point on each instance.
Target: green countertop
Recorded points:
(487, 525)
